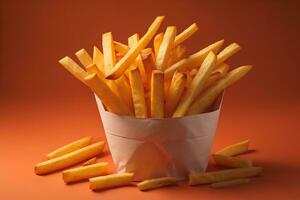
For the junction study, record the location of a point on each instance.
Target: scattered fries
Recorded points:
(151, 184)
(111, 181)
(230, 183)
(90, 161)
(84, 173)
(231, 162)
(235, 149)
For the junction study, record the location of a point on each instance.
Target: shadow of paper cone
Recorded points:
(160, 147)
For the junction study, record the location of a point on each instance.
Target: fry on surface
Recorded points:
(90, 161)
(111, 181)
(230, 183)
(157, 94)
(232, 162)
(157, 183)
(235, 149)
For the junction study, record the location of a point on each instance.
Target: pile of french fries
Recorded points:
(97, 173)
(156, 81)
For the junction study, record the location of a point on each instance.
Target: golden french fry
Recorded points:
(228, 52)
(98, 59)
(109, 56)
(111, 181)
(157, 42)
(194, 60)
(184, 35)
(197, 85)
(165, 48)
(84, 57)
(230, 183)
(175, 92)
(69, 159)
(73, 68)
(121, 48)
(223, 175)
(222, 69)
(107, 96)
(73, 146)
(231, 162)
(130, 56)
(235, 149)
(138, 93)
(84, 173)
(149, 64)
(157, 94)
(151, 184)
(209, 96)
(90, 161)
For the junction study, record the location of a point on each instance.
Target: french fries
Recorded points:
(84, 173)
(235, 149)
(84, 57)
(110, 181)
(223, 175)
(98, 59)
(108, 52)
(157, 94)
(129, 57)
(69, 159)
(151, 184)
(228, 52)
(185, 34)
(121, 48)
(231, 162)
(207, 97)
(197, 85)
(157, 42)
(230, 183)
(90, 161)
(73, 146)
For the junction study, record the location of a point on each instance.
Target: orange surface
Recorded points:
(42, 107)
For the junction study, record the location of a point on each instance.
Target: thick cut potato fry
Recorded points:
(175, 92)
(194, 60)
(235, 149)
(222, 69)
(90, 161)
(73, 68)
(151, 184)
(69, 159)
(157, 94)
(109, 56)
(157, 42)
(107, 96)
(98, 59)
(197, 85)
(209, 96)
(130, 56)
(228, 52)
(121, 48)
(111, 181)
(84, 57)
(138, 93)
(73, 146)
(84, 173)
(231, 162)
(184, 35)
(165, 48)
(223, 175)
(230, 183)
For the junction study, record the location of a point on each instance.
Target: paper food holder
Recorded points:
(160, 147)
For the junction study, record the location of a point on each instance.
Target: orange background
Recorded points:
(43, 107)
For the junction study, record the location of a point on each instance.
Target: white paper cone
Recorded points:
(160, 147)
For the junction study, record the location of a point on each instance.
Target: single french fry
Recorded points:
(84, 57)
(149, 65)
(208, 96)
(193, 60)
(130, 56)
(84, 173)
(109, 56)
(73, 68)
(154, 183)
(110, 181)
(157, 94)
(90, 161)
(107, 96)
(223, 175)
(138, 93)
(157, 42)
(132, 41)
(230, 183)
(232, 162)
(98, 59)
(165, 48)
(73, 146)
(234, 149)
(197, 85)
(228, 52)
(184, 35)
(121, 48)
(69, 159)
(175, 92)
(222, 69)
(124, 90)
